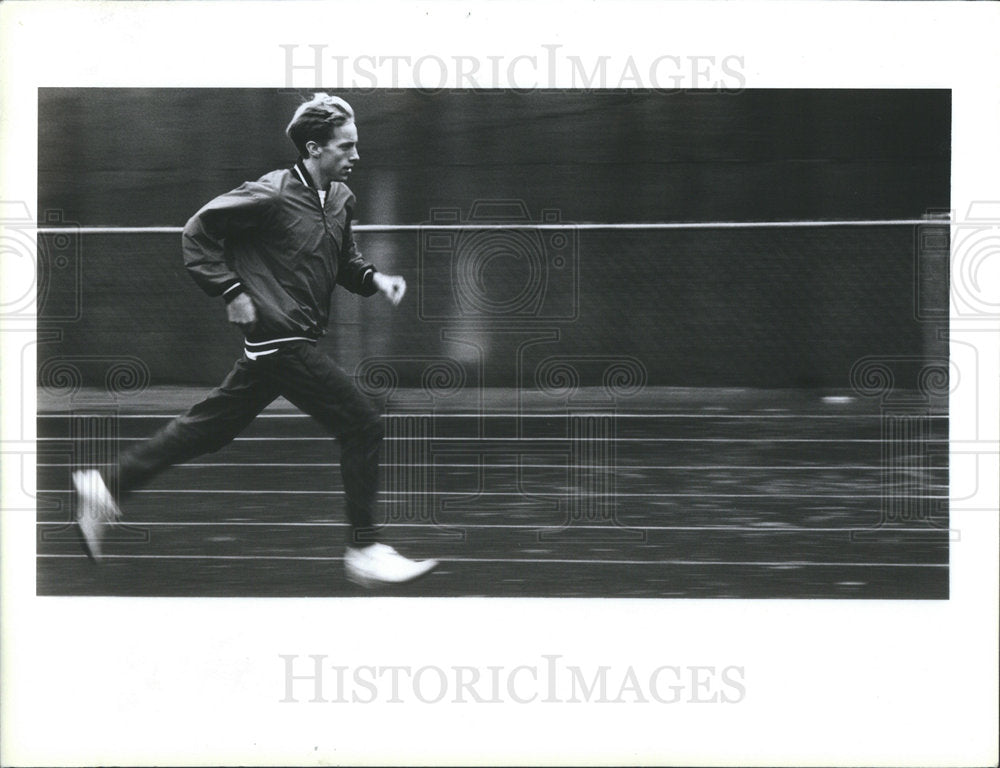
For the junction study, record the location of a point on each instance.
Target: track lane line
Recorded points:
(526, 560)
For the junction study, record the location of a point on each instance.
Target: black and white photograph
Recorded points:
(442, 383)
(523, 375)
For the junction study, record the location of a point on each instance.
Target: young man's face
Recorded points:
(337, 157)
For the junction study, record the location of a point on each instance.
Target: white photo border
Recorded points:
(187, 682)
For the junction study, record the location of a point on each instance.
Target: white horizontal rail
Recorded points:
(565, 225)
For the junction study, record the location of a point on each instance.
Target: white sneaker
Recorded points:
(95, 509)
(381, 564)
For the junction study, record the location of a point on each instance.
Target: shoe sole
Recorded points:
(88, 548)
(87, 536)
(87, 527)
(371, 583)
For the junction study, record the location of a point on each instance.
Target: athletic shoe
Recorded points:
(379, 564)
(95, 509)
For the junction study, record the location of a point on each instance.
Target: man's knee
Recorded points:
(374, 428)
(368, 429)
(199, 436)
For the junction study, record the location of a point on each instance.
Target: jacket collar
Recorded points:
(337, 192)
(304, 176)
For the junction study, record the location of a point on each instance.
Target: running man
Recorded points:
(273, 250)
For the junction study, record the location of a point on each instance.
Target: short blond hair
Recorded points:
(317, 119)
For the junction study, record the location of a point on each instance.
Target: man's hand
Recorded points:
(393, 286)
(241, 311)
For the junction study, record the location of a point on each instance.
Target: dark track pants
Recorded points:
(309, 380)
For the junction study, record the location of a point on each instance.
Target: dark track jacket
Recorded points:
(273, 240)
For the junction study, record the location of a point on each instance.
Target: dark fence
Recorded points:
(743, 307)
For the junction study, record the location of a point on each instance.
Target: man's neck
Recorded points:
(313, 168)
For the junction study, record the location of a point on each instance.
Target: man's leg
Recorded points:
(314, 383)
(207, 427)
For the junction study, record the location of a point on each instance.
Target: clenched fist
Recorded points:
(241, 311)
(393, 286)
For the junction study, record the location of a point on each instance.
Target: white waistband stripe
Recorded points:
(269, 342)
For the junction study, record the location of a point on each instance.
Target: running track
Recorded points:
(674, 494)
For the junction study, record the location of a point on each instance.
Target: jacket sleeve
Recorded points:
(204, 240)
(353, 272)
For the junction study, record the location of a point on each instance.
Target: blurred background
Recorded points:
(774, 307)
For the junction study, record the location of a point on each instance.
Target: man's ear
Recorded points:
(313, 148)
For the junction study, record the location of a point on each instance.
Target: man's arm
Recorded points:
(205, 235)
(353, 272)
(359, 276)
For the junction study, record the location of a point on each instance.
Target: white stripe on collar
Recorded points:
(301, 176)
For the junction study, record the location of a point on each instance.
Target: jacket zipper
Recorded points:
(326, 229)
(331, 242)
